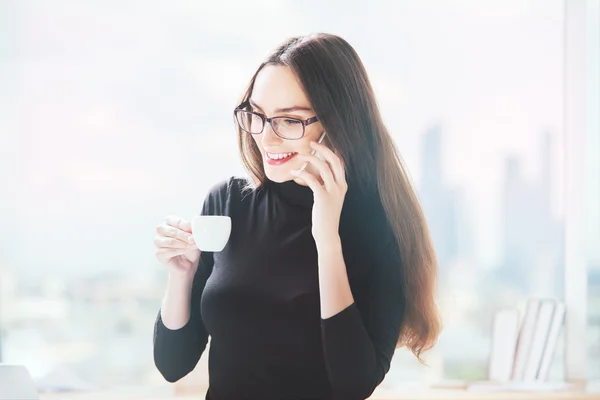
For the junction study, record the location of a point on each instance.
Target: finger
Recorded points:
(170, 231)
(342, 183)
(337, 165)
(179, 223)
(310, 179)
(171, 243)
(322, 167)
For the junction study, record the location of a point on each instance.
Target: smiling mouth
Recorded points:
(280, 156)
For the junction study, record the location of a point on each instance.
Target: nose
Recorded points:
(269, 138)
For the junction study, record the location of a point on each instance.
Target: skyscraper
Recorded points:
(532, 233)
(442, 203)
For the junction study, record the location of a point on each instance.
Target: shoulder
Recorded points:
(223, 194)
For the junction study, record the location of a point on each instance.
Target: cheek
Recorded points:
(301, 146)
(257, 142)
(314, 131)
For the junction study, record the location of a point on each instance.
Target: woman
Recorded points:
(328, 269)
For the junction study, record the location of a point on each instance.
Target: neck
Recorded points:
(295, 192)
(300, 181)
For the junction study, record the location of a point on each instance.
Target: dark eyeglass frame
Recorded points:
(264, 118)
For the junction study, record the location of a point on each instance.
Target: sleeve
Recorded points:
(359, 341)
(176, 352)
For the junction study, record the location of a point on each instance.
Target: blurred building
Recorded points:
(443, 205)
(99, 326)
(533, 234)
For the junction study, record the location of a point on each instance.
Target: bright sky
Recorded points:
(120, 112)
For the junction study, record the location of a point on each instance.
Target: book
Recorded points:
(552, 341)
(505, 331)
(540, 337)
(16, 383)
(525, 339)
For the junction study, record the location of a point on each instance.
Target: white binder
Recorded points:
(16, 383)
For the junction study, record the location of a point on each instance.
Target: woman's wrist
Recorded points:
(181, 280)
(175, 309)
(329, 243)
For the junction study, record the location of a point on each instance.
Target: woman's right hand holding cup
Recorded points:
(175, 246)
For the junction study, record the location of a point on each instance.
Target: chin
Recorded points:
(279, 176)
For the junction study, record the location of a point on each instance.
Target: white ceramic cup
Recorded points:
(211, 232)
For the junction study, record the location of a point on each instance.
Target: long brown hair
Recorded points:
(338, 88)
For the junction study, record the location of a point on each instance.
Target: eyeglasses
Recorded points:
(284, 127)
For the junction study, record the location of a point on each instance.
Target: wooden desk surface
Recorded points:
(433, 394)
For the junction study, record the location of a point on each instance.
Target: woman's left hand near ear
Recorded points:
(328, 195)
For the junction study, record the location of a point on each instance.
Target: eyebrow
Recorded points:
(282, 110)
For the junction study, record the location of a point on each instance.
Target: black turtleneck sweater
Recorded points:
(258, 301)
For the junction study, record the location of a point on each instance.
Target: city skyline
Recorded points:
(148, 129)
(521, 199)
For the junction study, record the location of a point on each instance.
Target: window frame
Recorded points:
(580, 18)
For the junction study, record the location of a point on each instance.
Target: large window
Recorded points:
(592, 183)
(118, 115)
(480, 125)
